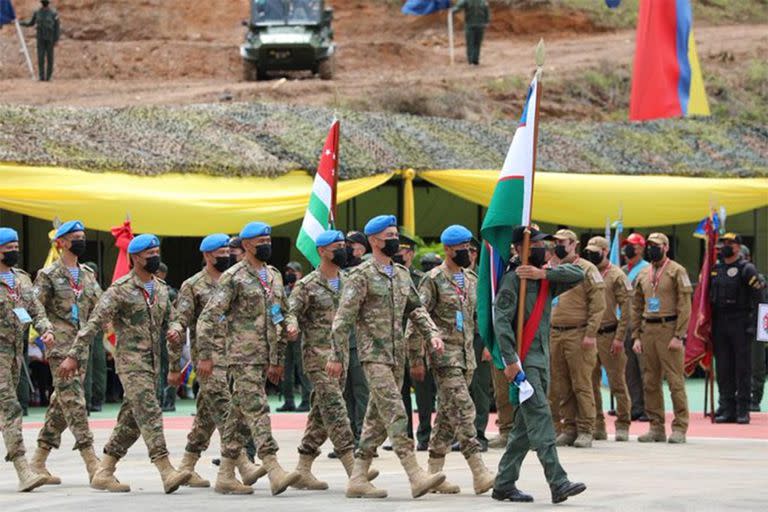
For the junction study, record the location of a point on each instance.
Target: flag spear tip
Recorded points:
(540, 53)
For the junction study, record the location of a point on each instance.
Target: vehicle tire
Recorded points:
(327, 68)
(250, 71)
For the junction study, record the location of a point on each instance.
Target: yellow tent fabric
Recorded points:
(584, 200)
(409, 203)
(170, 204)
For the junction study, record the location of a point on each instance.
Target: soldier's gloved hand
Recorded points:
(675, 344)
(588, 343)
(437, 345)
(292, 332)
(174, 378)
(333, 369)
(275, 374)
(68, 368)
(617, 347)
(511, 371)
(47, 338)
(418, 373)
(204, 369)
(637, 348)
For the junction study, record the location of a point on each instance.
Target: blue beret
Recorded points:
(142, 243)
(455, 235)
(213, 242)
(329, 237)
(379, 223)
(254, 229)
(69, 227)
(8, 235)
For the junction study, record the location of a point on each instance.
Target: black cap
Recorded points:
(407, 242)
(536, 235)
(235, 243)
(475, 243)
(358, 237)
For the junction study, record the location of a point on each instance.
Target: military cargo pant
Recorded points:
(532, 430)
(660, 362)
(212, 406)
(386, 413)
(10, 408)
(474, 38)
(455, 413)
(45, 59)
(572, 368)
(356, 393)
(139, 416)
(294, 369)
(66, 409)
(328, 416)
(634, 374)
(504, 410)
(249, 409)
(615, 367)
(480, 391)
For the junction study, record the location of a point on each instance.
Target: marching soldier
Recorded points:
(68, 291)
(18, 308)
(610, 339)
(376, 297)
(449, 294)
(661, 308)
(251, 299)
(48, 30)
(138, 307)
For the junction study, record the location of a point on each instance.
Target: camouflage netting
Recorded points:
(270, 139)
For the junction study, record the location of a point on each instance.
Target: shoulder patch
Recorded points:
(596, 276)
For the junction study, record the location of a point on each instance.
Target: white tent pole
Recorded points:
(24, 49)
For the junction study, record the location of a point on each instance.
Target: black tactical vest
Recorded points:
(728, 291)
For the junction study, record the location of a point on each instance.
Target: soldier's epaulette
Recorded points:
(21, 271)
(399, 265)
(350, 270)
(86, 268)
(434, 272)
(123, 280)
(160, 280)
(472, 273)
(270, 267)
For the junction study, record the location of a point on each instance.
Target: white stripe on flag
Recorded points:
(311, 226)
(322, 190)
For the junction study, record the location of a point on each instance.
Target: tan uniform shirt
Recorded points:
(583, 304)
(662, 292)
(618, 294)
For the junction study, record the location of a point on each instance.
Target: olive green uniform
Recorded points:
(48, 30)
(476, 18)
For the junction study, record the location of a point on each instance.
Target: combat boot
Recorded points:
(584, 440)
(308, 481)
(435, 466)
(482, 479)
(91, 461)
(622, 434)
(421, 481)
(653, 436)
(348, 461)
(600, 434)
(226, 483)
(500, 441)
(249, 472)
(38, 466)
(28, 479)
(104, 478)
(359, 486)
(565, 439)
(172, 479)
(188, 463)
(677, 437)
(279, 480)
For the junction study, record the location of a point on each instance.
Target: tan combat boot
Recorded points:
(308, 481)
(249, 472)
(677, 437)
(188, 463)
(622, 434)
(104, 478)
(435, 466)
(421, 481)
(279, 480)
(348, 461)
(28, 479)
(91, 461)
(653, 436)
(38, 466)
(482, 479)
(226, 483)
(172, 479)
(500, 441)
(583, 440)
(359, 486)
(600, 434)
(565, 439)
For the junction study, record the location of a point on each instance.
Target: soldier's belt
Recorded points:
(607, 329)
(660, 319)
(568, 327)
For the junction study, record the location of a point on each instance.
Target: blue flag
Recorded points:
(615, 254)
(700, 231)
(7, 14)
(423, 7)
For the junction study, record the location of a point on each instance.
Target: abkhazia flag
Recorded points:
(321, 210)
(510, 206)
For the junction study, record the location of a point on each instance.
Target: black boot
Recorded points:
(743, 419)
(514, 495)
(567, 489)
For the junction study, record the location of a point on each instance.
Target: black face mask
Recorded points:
(10, 258)
(630, 251)
(391, 247)
(290, 279)
(77, 248)
(232, 260)
(655, 253)
(152, 264)
(537, 257)
(398, 258)
(340, 257)
(561, 252)
(595, 258)
(263, 252)
(461, 258)
(352, 261)
(727, 251)
(222, 263)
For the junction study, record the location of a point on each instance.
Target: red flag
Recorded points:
(698, 347)
(123, 236)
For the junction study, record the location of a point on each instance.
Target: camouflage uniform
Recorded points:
(63, 299)
(376, 305)
(11, 353)
(313, 304)
(139, 322)
(242, 304)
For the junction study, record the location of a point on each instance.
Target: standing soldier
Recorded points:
(18, 308)
(138, 307)
(68, 291)
(48, 30)
(476, 18)
(376, 298)
(661, 308)
(610, 339)
(250, 298)
(576, 318)
(213, 398)
(449, 294)
(735, 290)
(533, 427)
(95, 382)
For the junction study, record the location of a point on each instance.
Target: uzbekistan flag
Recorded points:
(666, 79)
(510, 206)
(321, 210)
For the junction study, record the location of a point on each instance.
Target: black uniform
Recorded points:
(734, 290)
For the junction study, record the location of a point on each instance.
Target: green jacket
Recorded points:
(476, 12)
(47, 22)
(561, 279)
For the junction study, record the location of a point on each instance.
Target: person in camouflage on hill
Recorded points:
(68, 291)
(48, 31)
(138, 306)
